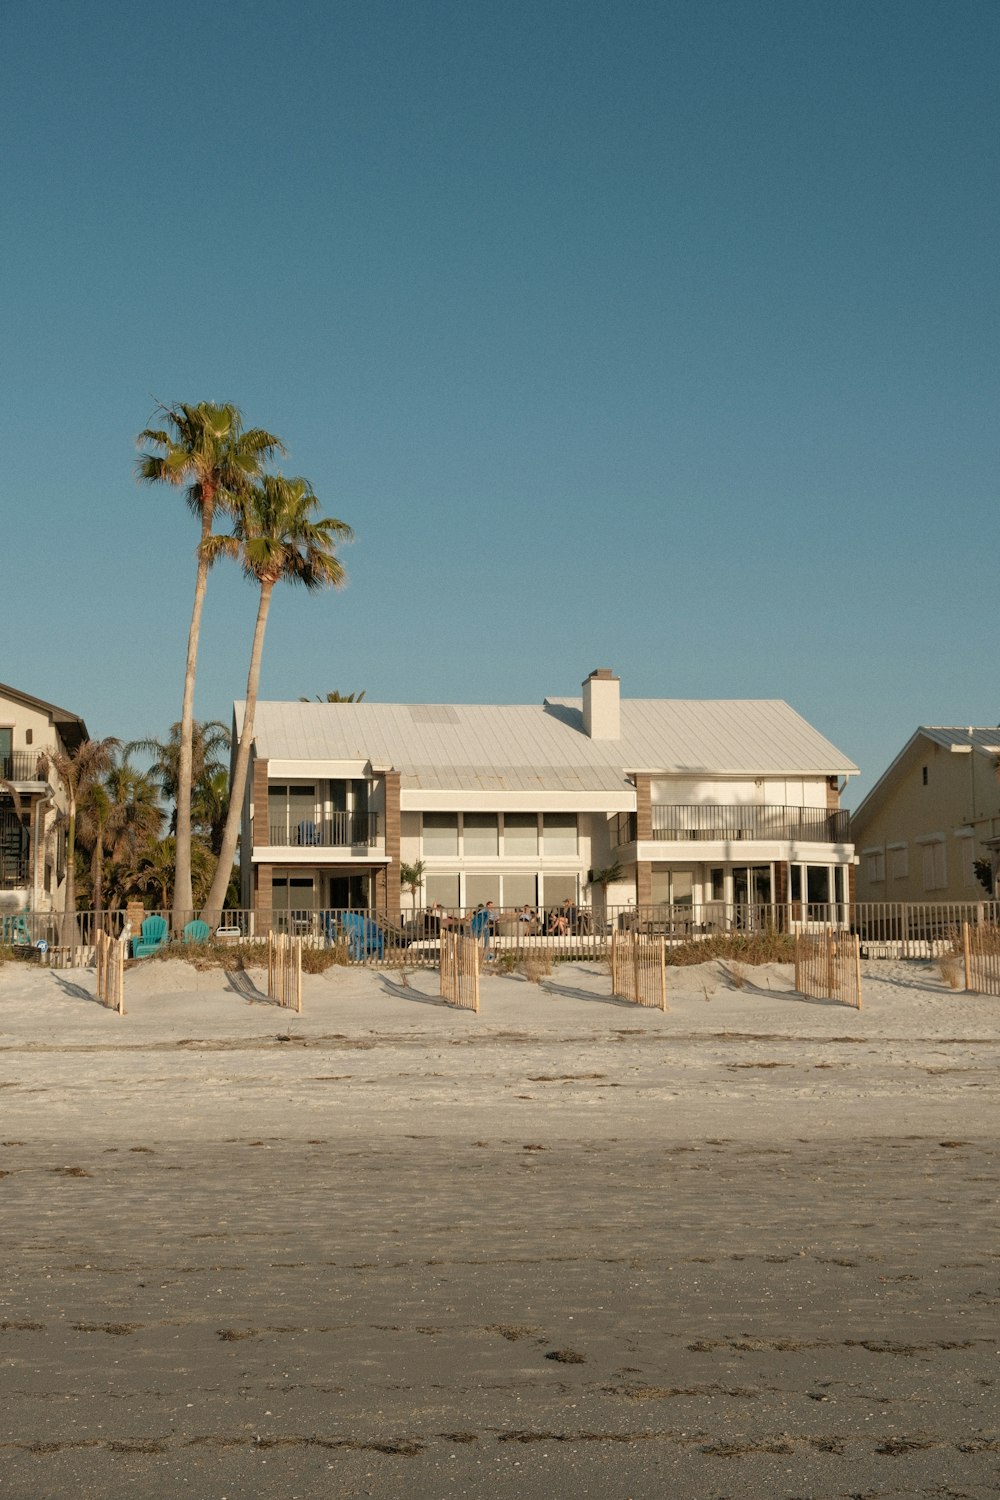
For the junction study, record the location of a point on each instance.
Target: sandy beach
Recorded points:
(748, 1247)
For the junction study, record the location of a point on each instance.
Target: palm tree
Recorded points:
(209, 806)
(206, 449)
(411, 876)
(610, 875)
(276, 537)
(208, 738)
(155, 869)
(336, 697)
(119, 817)
(79, 772)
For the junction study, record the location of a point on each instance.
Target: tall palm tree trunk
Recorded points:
(231, 832)
(183, 895)
(69, 908)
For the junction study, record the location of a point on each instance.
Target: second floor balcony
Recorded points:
(341, 830)
(708, 823)
(22, 765)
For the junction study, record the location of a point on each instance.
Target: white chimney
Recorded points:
(602, 718)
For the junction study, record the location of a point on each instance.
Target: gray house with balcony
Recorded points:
(730, 801)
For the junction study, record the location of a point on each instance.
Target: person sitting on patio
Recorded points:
(557, 924)
(569, 911)
(528, 920)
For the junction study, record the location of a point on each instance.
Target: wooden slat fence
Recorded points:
(981, 951)
(110, 966)
(828, 966)
(639, 969)
(460, 962)
(284, 969)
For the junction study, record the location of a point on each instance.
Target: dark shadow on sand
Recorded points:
(240, 983)
(570, 993)
(407, 992)
(77, 991)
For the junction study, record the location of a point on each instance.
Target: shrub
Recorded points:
(750, 948)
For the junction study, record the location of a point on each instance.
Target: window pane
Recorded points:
(718, 885)
(659, 887)
(481, 888)
(557, 888)
(817, 884)
(796, 882)
(481, 833)
(443, 889)
(520, 834)
(682, 887)
(559, 831)
(441, 834)
(519, 890)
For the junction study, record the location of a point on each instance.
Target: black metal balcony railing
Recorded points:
(340, 831)
(21, 765)
(705, 822)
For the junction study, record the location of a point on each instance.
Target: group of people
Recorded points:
(559, 921)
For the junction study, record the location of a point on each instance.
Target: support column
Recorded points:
(387, 887)
(263, 898)
(643, 805)
(643, 882)
(260, 829)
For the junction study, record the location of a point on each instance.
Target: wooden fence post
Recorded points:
(967, 955)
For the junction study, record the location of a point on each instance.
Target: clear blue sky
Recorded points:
(660, 336)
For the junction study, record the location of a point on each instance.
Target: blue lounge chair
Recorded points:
(197, 932)
(153, 935)
(309, 835)
(364, 937)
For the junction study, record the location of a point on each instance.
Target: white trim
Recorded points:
(275, 854)
(416, 799)
(930, 838)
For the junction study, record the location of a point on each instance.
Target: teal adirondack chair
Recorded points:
(153, 935)
(197, 932)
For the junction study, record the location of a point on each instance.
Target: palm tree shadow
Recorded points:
(569, 993)
(241, 984)
(77, 991)
(407, 992)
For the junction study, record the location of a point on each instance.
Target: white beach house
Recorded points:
(732, 801)
(32, 833)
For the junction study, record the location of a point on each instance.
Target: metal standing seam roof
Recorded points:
(515, 747)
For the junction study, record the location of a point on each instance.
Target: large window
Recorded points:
(558, 888)
(480, 835)
(934, 867)
(672, 887)
(442, 889)
(441, 834)
(559, 834)
(520, 836)
(520, 890)
(293, 893)
(482, 888)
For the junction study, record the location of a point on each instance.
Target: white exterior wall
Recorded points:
(20, 718)
(690, 791)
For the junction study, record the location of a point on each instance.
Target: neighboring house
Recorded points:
(931, 815)
(717, 801)
(32, 844)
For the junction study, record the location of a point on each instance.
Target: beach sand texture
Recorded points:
(385, 1248)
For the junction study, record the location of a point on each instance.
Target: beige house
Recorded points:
(32, 847)
(728, 801)
(930, 816)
